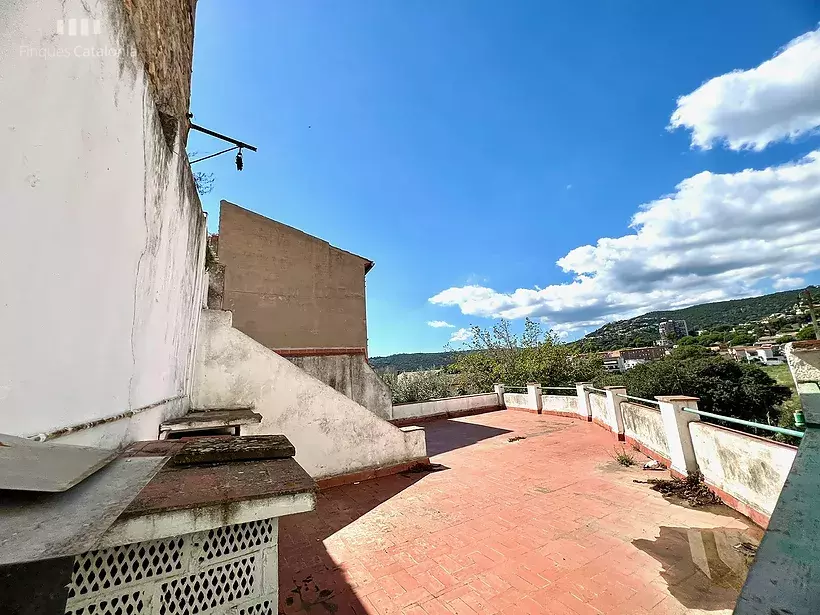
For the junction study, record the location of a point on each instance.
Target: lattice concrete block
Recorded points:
(230, 569)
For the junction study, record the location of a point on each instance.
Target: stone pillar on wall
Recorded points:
(499, 391)
(676, 424)
(584, 409)
(614, 397)
(534, 396)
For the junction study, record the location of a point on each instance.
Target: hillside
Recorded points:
(413, 362)
(643, 330)
(639, 331)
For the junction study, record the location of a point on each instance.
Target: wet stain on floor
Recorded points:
(704, 568)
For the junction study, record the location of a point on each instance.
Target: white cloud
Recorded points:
(788, 283)
(438, 324)
(718, 236)
(569, 186)
(462, 335)
(776, 100)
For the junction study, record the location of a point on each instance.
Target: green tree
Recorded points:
(498, 355)
(688, 340)
(417, 386)
(727, 387)
(806, 333)
(785, 339)
(742, 339)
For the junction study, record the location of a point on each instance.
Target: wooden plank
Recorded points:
(243, 448)
(35, 526)
(27, 465)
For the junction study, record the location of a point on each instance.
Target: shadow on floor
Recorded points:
(450, 434)
(701, 567)
(310, 579)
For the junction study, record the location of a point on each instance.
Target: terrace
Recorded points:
(546, 524)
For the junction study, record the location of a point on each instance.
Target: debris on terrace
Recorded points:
(692, 489)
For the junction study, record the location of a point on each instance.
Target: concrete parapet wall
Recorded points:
(448, 407)
(750, 469)
(517, 401)
(645, 425)
(600, 414)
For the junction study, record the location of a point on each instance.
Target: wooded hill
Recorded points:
(639, 331)
(643, 330)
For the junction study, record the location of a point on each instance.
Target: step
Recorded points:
(200, 420)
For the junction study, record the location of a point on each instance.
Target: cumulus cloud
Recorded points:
(439, 324)
(788, 283)
(749, 109)
(717, 236)
(462, 335)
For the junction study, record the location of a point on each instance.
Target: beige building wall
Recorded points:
(288, 289)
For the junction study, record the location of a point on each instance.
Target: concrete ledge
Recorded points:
(530, 410)
(362, 475)
(320, 352)
(443, 415)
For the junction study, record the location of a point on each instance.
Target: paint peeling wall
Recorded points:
(332, 434)
(445, 407)
(748, 468)
(103, 237)
(646, 426)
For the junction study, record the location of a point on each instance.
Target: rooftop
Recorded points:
(546, 524)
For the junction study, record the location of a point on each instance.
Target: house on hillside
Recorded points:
(302, 298)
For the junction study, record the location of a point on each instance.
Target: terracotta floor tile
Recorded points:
(546, 524)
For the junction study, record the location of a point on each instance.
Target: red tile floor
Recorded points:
(547, 524)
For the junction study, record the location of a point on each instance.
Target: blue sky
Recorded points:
(469, 147)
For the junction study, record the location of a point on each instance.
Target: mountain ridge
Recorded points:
(637, 331)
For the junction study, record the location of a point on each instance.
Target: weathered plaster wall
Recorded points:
(103, 235)
(351, 375)
(750, 469)
(288, 289)
(646, 426)
(597, 402)
(332, 434)
(559, 403)
(445, 407)
(516, 400)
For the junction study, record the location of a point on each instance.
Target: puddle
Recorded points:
(702, 567)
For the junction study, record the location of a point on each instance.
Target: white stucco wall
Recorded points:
(560, 403)
(748, 468)
(443, 407)
(516, 400)
(333, 435)
(102, 237)
(645, 425)
(597, 402)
